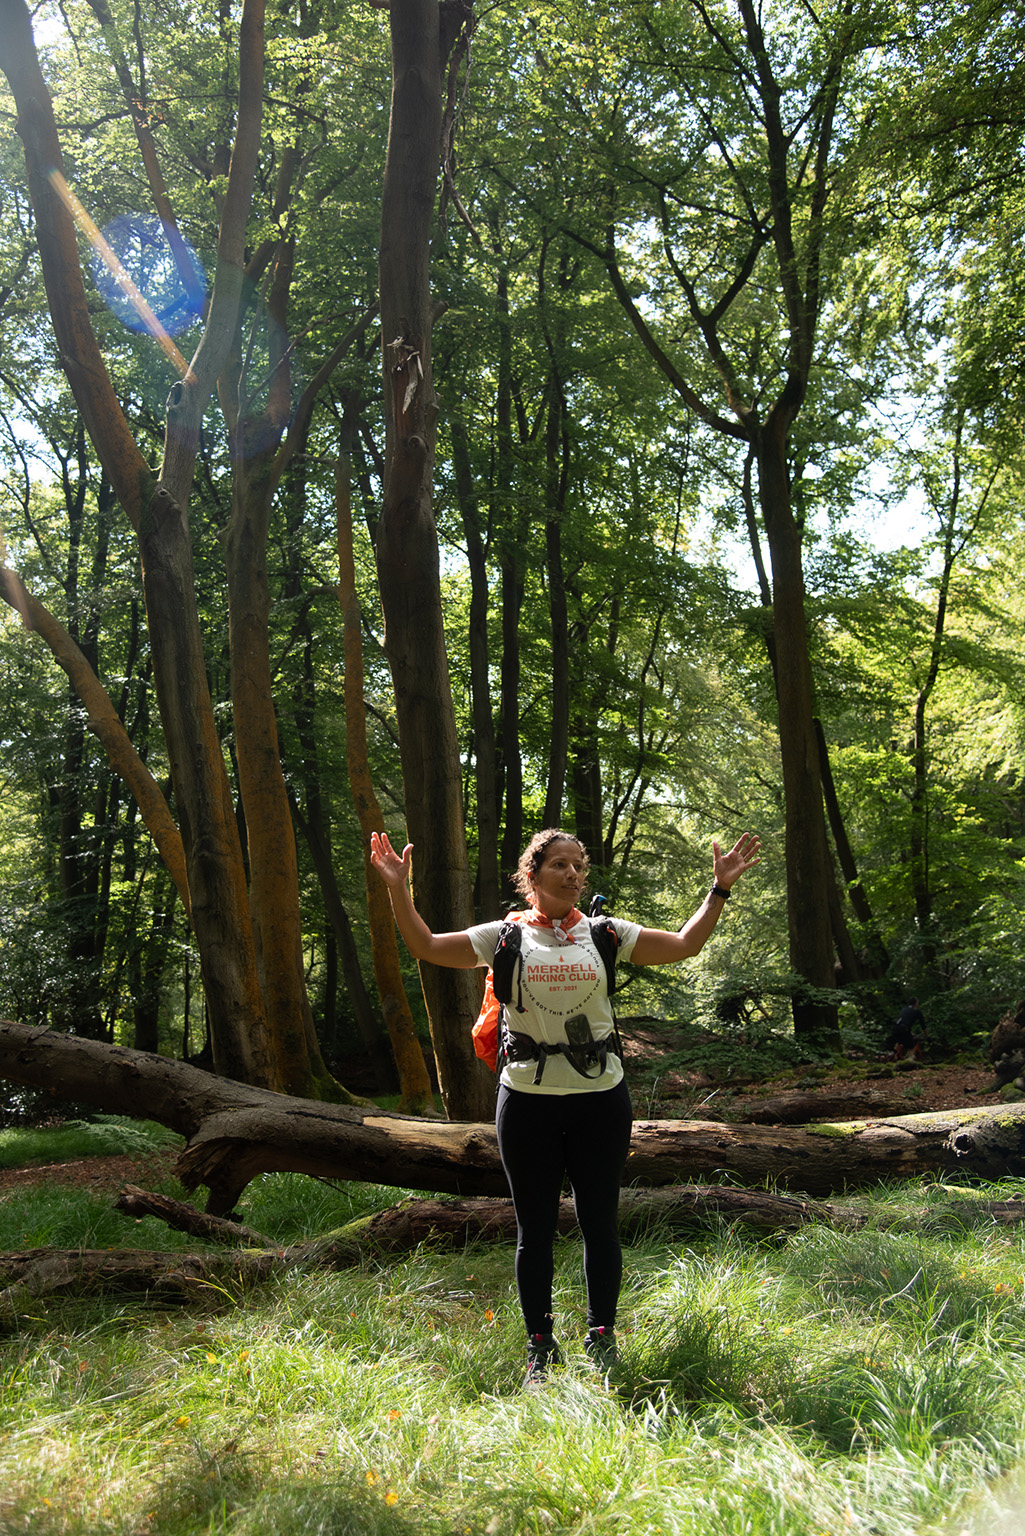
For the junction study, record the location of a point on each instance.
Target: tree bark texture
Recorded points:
(489, 890)
(845, 854)
(673, 1209)
(918, 863)
(316, 833)
(802, 1108)
(273, 866)
(27, 1276)
(414, 1079)
(407, 546)
(241, 1032)
(510, 687)
(807, 850)
(217, 876)
(556, 483)
(235, 1132)
(256, 434)
(508, 520)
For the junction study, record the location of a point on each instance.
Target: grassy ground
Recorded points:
(825, 1384)
(106, 1136)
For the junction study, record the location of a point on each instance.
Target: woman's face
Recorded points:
(561, 878)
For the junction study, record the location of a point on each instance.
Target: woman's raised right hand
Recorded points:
(392, 869)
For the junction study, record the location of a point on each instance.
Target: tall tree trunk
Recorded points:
(240, 1030)
(255, 435)
(918, 862)
(313, 821)
(313, 827)
(147, 964)
(484, 755)
(273, 866)
(507, 520)
(956, 529)
(213, 854)
(512, 590)
(556, 480)
(807, 852)
(158, 511)
(105, 726)
(849, 961)
(407, 546)
(586, 786)
(794, 185)
(414, 1079)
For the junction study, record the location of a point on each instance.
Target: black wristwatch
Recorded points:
(717, 890)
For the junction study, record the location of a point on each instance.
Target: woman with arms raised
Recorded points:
(563, 1108)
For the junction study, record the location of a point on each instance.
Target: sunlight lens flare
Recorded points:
(140, 243)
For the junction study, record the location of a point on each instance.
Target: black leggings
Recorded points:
(543, 1137)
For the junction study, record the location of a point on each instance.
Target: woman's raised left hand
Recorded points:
(728, 867)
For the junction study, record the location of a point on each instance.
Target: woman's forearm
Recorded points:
(656, 946)
(415, 933)
(450, 949)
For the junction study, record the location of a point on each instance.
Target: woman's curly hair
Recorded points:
(533, 856)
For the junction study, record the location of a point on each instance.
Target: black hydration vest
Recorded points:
(586, 1055)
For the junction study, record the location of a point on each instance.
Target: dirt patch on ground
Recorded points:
(103, 1174)
(925, 1087)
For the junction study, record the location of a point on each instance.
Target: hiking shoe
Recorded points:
(542, 1351)
(600, 1348)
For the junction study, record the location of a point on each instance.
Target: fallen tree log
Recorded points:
(453, 1221)
(235, 1132)
(39, 1272)
(804, 1108)
(170, 1277)
(642, 1213)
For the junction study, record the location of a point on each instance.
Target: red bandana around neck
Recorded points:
(561, 925)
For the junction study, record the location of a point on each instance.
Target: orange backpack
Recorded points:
(485, 1031)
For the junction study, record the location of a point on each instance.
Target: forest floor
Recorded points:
(102, 1174)
(922, 1086)
(907, 1088)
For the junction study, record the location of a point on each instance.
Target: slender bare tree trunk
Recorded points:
(809, 873)
(414, 1079)
(507, 519)
(407, 546)
(104, 724)
(556, 480)
(484, 756)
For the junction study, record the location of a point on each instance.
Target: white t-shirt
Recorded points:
(560, 977)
